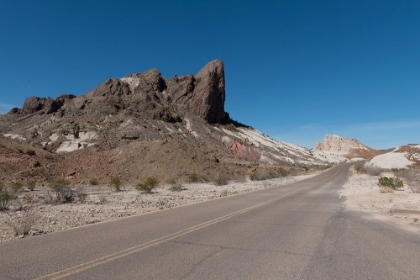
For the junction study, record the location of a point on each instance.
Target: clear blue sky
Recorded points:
(295, 70)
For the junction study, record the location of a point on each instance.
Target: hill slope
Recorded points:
(141, 125)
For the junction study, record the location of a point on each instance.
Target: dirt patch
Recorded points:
(401, 207)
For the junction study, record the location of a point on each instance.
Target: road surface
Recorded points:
(298, 231)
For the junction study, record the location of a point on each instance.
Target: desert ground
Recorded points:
(401, 207)
(104, 204)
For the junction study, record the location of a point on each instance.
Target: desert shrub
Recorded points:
(5, 198)
(359, 167)
(373, 170)
(93, 182)
(176, 184)
(28, 198)
(16, 186)
(392, 183)
(410, 177)
(271, 174)
(82, 196)
(253, 176)
(239, 177)
(221, 181)
(21, 222)
(148, 184)
(305, 167)
(283, 172)
(115, 183)
(195, 178)
(48, 156)
(258, 176)
(63, 191)
(31, 184)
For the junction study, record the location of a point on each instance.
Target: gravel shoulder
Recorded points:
(102, 204)
(401, 207)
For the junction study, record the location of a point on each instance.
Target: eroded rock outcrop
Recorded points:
(204, 94)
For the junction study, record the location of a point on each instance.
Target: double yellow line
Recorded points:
(132, 250)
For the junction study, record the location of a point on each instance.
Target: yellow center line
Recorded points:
(123, 253)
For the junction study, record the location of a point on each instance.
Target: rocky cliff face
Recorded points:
(337, 144)
(350, 148)
(142, 125)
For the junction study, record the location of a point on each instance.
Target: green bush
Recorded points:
(148, 184)
(392, 183)
(116, 183)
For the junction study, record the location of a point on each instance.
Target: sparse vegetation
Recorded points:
(411, 178)
(176, 184)
(31, 184)
(93, 182)
(282, 172)
(148, 184)
(221, 181)
(63, 191)
(48, 156)
(373, 170)
(17, 186)
(116, 183)
(386, 190)
(239, 177)
(81, 194)
(391, 183)
(5, 197)
(258, 176)
(359, 167)
(28, 198)
(21, 222)
(195, 178)
(271, 174)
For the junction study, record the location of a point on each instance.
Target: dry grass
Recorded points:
(21, 222)
(386, 190)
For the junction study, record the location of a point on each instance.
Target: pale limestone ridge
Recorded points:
(338, 145)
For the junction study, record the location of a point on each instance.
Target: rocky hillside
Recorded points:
(401, 157)
(137, 126)
(341, 149)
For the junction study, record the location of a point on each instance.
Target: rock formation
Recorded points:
(337, 144)
(142, 125)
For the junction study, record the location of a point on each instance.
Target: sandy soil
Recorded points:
(402, 207)
(102, 204)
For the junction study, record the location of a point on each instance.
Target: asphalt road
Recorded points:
(297, 231)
